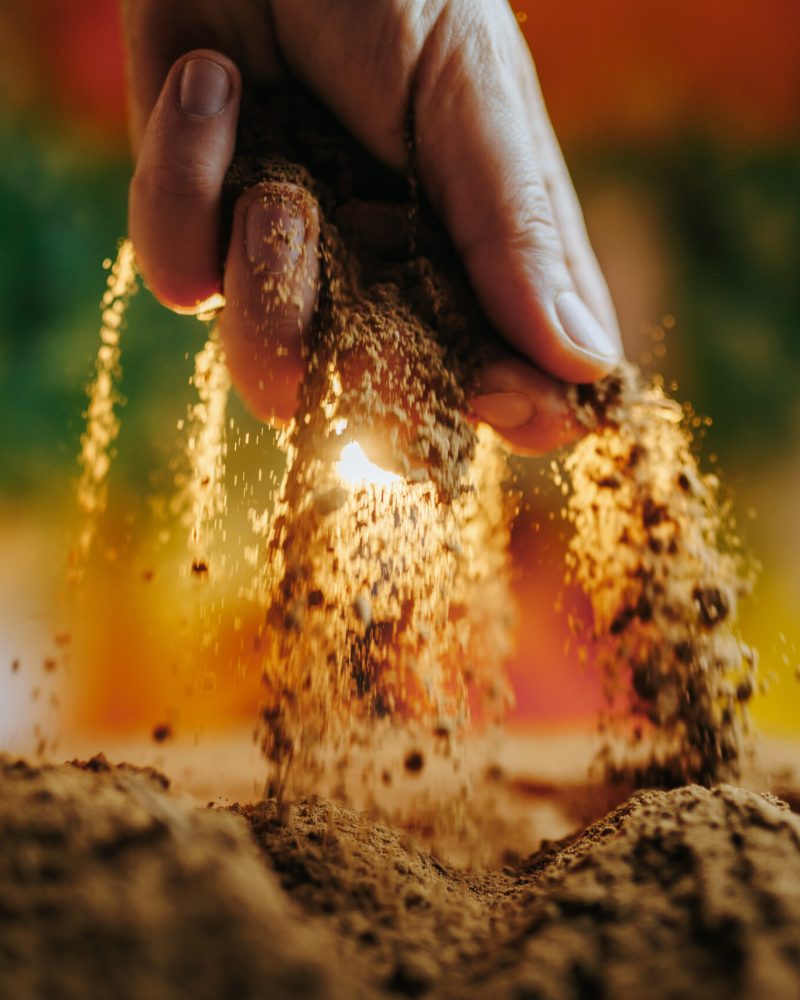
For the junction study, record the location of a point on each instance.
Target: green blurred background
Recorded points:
(681, 124)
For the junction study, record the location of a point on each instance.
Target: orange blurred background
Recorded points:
(610, 69)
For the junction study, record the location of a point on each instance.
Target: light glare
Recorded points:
(355, 468)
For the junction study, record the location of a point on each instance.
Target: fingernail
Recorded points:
(204, 89)
(582, 328)
(505, 410)
(274, 236)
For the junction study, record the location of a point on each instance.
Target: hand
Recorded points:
(487, 157)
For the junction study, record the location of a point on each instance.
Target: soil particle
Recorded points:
(162, 732)
(414, 762)
(111, 887)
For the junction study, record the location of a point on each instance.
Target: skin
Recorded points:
(487, 157)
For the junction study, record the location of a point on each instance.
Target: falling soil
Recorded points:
(102, 421)
(386, 591)
(112, 887)
(388, 601)
(655, 552)
(203, 499)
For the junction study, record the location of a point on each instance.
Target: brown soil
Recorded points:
(656, 552)
(384, 604)
(110, 886)
(376, 603)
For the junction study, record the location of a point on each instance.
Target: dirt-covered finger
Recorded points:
(270, 287)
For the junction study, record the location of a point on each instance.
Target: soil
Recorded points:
(655, 550)
(386, 604)
(392, 603)
(112, 886)
(377, 605)
(382, 602)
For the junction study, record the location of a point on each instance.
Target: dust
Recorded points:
(203, 496)
(102, 422)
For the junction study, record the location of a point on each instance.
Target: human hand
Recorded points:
(486, 155)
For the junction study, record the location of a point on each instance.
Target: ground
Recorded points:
(110, 885)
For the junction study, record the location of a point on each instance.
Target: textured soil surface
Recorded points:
(112, 887)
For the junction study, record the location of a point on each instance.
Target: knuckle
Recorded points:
(522, 223)
(529, 223)
(180, 176)
(537, 234)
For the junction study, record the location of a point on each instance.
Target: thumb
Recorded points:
(478, 112)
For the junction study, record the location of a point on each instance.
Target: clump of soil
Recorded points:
(111, 887)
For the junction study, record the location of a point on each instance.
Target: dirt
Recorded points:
(101, 417)
(389, 603)
(387, 607)
(384, 598)
(112, 887)
(655, 550)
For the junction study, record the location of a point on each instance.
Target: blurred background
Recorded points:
(681, 125)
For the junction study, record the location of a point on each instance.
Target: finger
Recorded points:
(526, 407)
(158, 32)
(465, 67)
(175, 212)
(480, 163)
(270, 287)
(579, 255)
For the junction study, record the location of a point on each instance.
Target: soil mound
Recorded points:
(110, 886)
